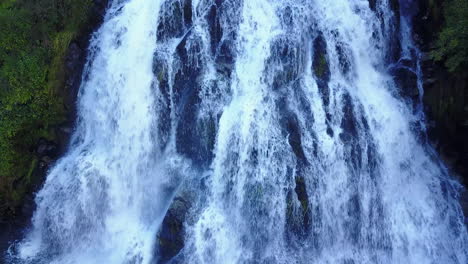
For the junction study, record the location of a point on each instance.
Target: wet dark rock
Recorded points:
(187, 9)
(464, 205)
(190, 134)
(96, 16)
(350, 135)
(73, 58)
(427, 21)
(29, 206)
(303, 106)
(222, 39)
(41, 148)
(349, 122)
(407, 81)
(74, 62)
(225, 57)
(175, 19)
(429, 81)
(215, 29)
(372, 4)
(321, 68)
(354, 221)
(160, 70)
(408, 63)
(292, 130)
(170, 239)
(395, 6)
(46, 148)
(344, 57)
(298, 219)
(286, 62)
(320, 65)
(63, 135)
(301, 192)
(446, 106)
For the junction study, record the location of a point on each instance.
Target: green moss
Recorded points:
(321, 67)
(162, 75)
(34, 38)
(32, 167)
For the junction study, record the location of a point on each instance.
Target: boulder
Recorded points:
(407, 81)
(171, 236)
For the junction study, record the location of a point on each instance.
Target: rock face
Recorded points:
(445, 97)
(445, 103)
(446, 100)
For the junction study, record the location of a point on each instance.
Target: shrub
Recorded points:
(34, 37)
(452, 43)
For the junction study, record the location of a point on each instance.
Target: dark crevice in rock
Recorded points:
(298, 212)
(291, 129)
(295, 137)
(322, 73)
(349, 122)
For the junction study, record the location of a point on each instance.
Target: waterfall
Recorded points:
(292, 130)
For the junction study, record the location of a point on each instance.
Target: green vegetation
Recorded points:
(452, 43)
(321, 67)
(34, 37)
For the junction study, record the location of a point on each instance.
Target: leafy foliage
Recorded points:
(452, 44)
(34, 37)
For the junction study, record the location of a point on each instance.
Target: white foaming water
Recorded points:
(375, 193)
(305, 149)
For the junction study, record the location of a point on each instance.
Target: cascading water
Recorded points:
(279, 122)
(98, 203)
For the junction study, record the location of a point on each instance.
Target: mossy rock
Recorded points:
(320, 65)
